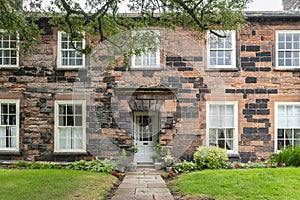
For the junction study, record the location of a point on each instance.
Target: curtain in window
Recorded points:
(77, 138)
(2, 137)
(229, 141)
(70, 138)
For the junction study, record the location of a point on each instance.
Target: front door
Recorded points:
(145, 135)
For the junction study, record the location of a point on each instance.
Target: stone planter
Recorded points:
(169, 169)
(121, 169)
(131, 167)
(158, 165)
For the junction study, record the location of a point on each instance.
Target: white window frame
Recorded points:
(146, 53)
(286, 50)
(17, 102)
(232, 49)
(10, 49)
(276, 126)
(235, 131)
(56, 125)
(60, 50)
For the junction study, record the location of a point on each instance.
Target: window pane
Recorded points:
(78, 109)
(296, 45)
(213, 54)
(63, 143)
(297, 110)
(62, 121)
(72, 62)
(77, 144)
(288, 37)
(72, 54)
(70, 121)
(288, 45)
(69, 109)
(4, 108)
(281, 45)
(229, 133)
(78, 121)
(64, 62)
(64, 45)
(229, 121)
(297, 133)
(78, 62)
(213, 61)
(4, 119)
(5, 44)
(12, 109)
(12, 120)
(65, 54)
(138, 61)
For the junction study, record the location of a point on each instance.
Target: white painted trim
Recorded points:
(233, 52)
(17, 102)
(56, 121)
(59, 54)
(235, 112)
(146, 67)
(18, 54)
(276, 51)
(276, 104)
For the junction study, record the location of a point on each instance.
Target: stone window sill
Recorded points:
(281, 69)
(9, 152)
(233, 155)
(69, 68)
(70, 153)
(222, 69)
(157, 68)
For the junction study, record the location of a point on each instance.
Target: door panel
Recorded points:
(145, 135)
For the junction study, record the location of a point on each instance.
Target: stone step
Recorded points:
(145, 165)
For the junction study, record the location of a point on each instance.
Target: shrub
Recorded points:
(35, 165)
(210, 157)
(184, 167)
(289, 156)
(95, 165)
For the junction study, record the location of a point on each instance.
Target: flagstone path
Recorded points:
(145, 184)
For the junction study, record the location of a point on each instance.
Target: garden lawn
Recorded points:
(53, 184)
(279, 183)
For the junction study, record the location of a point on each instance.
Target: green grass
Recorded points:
(53, 184)
(280, 183)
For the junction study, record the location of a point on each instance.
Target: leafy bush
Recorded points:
(210, 157)
(35, 165)
(95, 165)
(289, 156)
(184, 167)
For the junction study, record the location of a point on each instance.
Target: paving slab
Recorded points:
(145, 184)
(140, 191)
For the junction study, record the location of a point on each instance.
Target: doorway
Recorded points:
(145, 126)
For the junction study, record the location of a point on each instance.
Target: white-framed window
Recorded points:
(287, 49)
(9, 125)
(221, 51)
(70, 126)
(9, 51)
(287, 125)
(148, 59)
(222, 125)
(67, 56)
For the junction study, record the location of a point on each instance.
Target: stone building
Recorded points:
(241, 93)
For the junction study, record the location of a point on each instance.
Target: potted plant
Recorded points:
(134, 149)
(122, 163)
(156, 156)
(169, 161)
(132, 166)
